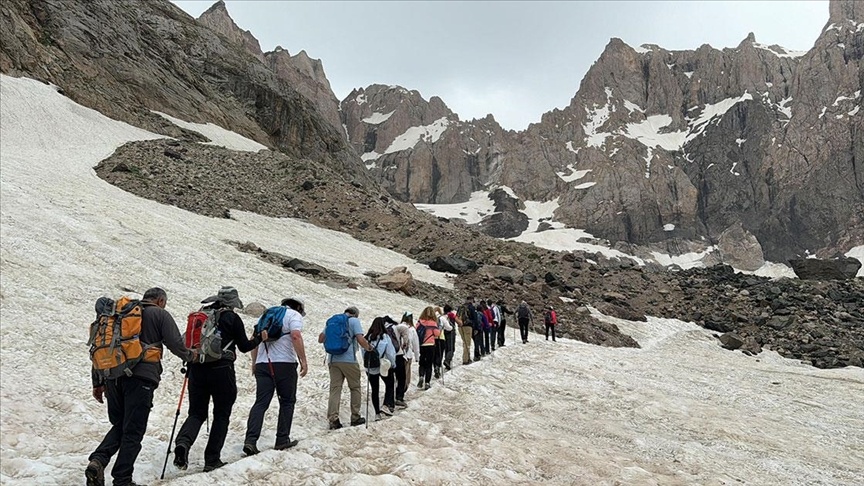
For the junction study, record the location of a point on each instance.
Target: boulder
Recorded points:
(740, 249)
(818, 269)
(254, 309)
(302, 266)
(731, 340)
(453, 264)
(398, 280)
(507, 274)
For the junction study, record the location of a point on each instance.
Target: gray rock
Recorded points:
(818, 269)
(453, 264)
(731, 340)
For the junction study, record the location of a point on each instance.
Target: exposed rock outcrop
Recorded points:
(818, 269)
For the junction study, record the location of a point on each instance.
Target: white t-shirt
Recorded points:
(282, 350)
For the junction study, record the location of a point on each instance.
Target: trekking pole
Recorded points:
(368, 387)
(176, 416)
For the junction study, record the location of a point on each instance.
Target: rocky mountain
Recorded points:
(130, 60)
(659, 146)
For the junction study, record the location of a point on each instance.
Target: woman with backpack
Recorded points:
(427, 333)
(382, 348)
(551, 320)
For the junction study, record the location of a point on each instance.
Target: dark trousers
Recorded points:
(486, 334)
(129, 402)
(284, 383)
(205, 382)
(439, 354)
(401, 385)
(449, 347)
(493, 337)
(501, 332)
(548, 327)
(427, 356)
(375, 390)
(373, 387)
(523, 329)
(478, 343)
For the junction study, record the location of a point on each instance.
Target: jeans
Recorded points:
(478, 344)
(129, 402)
(493, 337)
(283, 381)
(487, 333)
(205, 382)
(449, 347)
(339, 373)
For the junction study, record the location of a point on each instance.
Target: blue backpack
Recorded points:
(337, 337)
(271, 321)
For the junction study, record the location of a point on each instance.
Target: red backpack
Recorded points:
(202, 332)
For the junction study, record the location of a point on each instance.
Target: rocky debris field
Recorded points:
(819, 322)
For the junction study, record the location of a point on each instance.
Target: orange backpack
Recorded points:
(114, 338)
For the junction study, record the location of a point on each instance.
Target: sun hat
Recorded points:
(385, 367)
(227, 296)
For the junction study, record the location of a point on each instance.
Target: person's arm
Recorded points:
(254, 355)
(363, 342)
(98, 385)
(321, 338)
(238, 334)
(172, 339)
(300, 349)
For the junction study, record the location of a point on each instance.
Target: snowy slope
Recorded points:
(678, 411)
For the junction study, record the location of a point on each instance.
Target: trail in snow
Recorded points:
(678, 411)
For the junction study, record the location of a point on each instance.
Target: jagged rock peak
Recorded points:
(843, 10)
(219, 20)
(748, 41)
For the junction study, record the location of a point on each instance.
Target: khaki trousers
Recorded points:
(466, 333)
(340, 372)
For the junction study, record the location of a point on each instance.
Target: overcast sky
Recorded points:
(516, 60)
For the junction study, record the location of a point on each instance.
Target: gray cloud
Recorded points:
(516, 60)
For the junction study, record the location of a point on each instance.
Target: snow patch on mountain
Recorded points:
(218, 136)
(426, 133)
(779, 51)
(648, 133)
(574, 174)
(378, 118)
(597, 117)
(478, 206)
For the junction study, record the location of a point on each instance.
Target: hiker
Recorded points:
(276, 371)
(438, 357)
(502, 326)
(465, 320)
(400, 342)
(214, 379)
(486, 327)
(493, 315)
(344, 367)
(523, 314)
(408, 338)
(427, 333)
(381, 343)
(130, 397)
(551, 320)
(448, 323)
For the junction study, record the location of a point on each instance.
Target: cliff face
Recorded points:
(660, 146)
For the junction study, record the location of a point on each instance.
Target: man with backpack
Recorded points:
(130, 396)
(465, 319)
(276, 359)
(523, 314)
(342, 333)
(213, 377)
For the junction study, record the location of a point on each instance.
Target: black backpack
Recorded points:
(371, 359)
(522, 312)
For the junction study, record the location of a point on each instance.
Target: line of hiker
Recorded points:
(127, 337)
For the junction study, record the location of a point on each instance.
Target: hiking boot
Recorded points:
(215, 465)
(359, 421)
(386, 411)
(428, 386)
(401, 404)
(420, 383)
(447, 366)
(501, 345)
(250, 449)
(285, 446)
(181, 456)
(335, 425)
(95, 473)
(437, 374)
